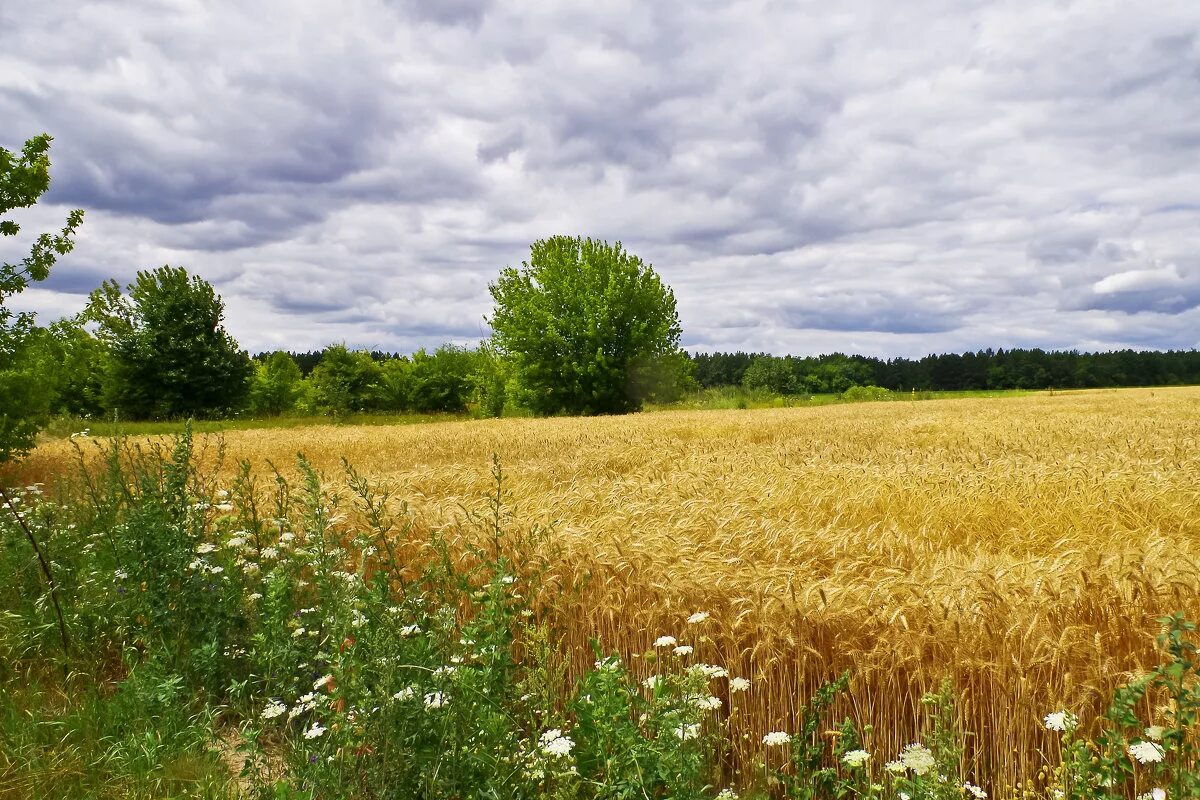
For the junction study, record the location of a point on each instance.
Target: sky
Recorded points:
(887, 178)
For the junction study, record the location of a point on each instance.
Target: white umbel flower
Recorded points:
(775, 738)
(274, 709)
(1146, 752)
(665, 641)
(976, 792)
(855, 758)
(738, 684)
(697, 618)
(555, 743)
(315, 731)
(918, 758)
(1060, 721)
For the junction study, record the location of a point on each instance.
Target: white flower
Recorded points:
(979, 794)
(697, 618)
(707, 703)
(508, 580)
(270, 552)
(255, 596)
(710, 671)
(1061, 721)
(435, 700)
(777, 738)
(322, 682)
(612, 662)
(665, 641)
(446, 670)
(1155, 733)
(121, 575)
(287, 537)
(236, 542)
(653, 682)
(297, 633)
(554, 743)
(904, 796)
(1146, 752)
(406, 693)
(410, 630)
(727, 794)
(683, 650)
(207, 547)
(738, 684)
(685, 732)
(855, 758)
(918, 758)
(315, 731)
(273, 710)
(225, 507)
(895, 767)
(216, 570)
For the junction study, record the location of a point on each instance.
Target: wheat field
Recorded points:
(1021, 546)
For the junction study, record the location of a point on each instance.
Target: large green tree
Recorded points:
(169, 355)
(25, 391)
(588, 327)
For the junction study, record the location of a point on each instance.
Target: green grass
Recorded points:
(63, 427)
(735, 397)
(85, 737)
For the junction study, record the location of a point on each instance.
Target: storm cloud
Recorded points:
(884, 178)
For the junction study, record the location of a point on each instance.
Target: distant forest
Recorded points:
(986, 369)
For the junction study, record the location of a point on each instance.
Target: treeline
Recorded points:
(159, 351)
(985, 369)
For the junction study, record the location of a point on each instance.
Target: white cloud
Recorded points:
(889, 178)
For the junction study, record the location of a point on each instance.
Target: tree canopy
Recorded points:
(588, 327)
(25, 391)
(169, 355)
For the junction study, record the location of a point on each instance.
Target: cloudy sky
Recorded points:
(891, 178)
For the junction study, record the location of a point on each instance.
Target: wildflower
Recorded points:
(1155, 733)
(777, 738)
(738, 684)
(707, 703)
(237, 542)
(297, 633)
(406, 693)
(683, 650)
(255, 596)
(121, 575)
(508, 580)
(1146, 752)
(322, 682)
(918, 758)
(710, 671)
(273, 710)
(554, 743)
(975, 791)
(226, 507)
(855, 758)
(727, 794)
(287, 537)
(685, 732)
(612, 662)
(206, 547)
(653, 682)
(697, 618)
(410, 630)
(315, 731)
(446, 670)
(216, 570)
(665, 641)
(435, 700)
(1061, 721)
(270, 552)
(895, 767)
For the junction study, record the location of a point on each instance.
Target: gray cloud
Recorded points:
(901, 179)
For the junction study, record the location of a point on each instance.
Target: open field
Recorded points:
(1022, 546)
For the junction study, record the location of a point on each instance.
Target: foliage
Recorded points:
(342, 383)
(442, 380)
(25, 392)
(169, 355)
(590, 328)
(275, 387)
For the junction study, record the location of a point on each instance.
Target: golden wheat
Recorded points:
(1021, 546)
